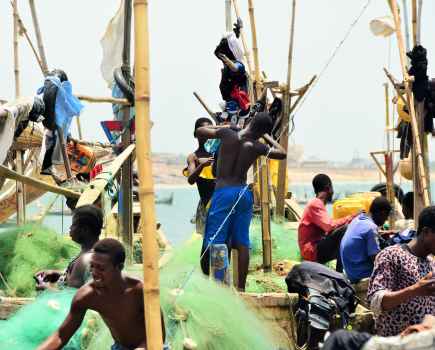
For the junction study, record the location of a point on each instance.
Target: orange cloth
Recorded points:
(314, 225)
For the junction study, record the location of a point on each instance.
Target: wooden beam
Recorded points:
(379, 165)
(208, 110)
(244, 41)
(97, 186)
(257, 77)
(10, 174)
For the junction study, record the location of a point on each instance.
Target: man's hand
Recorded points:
(416, 328)
(426, 286)
(205, 161)
(47, 276)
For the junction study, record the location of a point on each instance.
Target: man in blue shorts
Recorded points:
(230, 212)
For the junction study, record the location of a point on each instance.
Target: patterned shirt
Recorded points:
(397, 268)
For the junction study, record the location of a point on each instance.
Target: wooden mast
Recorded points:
(228, 19)
(284, 132)
(20, 194)
(153, 325)
(420, 178)
(126, 207)
(244, 41)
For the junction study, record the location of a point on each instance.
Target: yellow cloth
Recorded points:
(206, 173)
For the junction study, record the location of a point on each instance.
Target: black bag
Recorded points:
(326, 300)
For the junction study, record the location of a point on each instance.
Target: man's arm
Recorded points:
(276, 151)
(320, 217)
(213, 131)
(72, 322)
(195, 170)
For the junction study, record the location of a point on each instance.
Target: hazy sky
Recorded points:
(343, 114)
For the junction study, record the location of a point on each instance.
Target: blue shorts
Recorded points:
(117, 346)
(235, 230)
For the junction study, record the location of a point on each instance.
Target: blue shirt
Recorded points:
(359, 243)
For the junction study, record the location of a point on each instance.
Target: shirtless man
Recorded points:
(238, 151)
(87, 222)
(117, 298)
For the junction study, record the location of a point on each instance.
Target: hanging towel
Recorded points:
(234, 45)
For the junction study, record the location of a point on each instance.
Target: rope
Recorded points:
(291, 120)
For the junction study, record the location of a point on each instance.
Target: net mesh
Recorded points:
(27, 250)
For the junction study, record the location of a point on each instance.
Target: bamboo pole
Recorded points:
(207, 108)
(284, 132)
(244, 41)
(414, 23)
(21, 200)
(228, 19)
(38, 37)
(10, 174)
(257, 75)
(423, 192)
(406, 20)
(265, 215)
(153, 325)
(93, 99)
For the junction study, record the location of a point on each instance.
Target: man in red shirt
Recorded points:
(318, 234)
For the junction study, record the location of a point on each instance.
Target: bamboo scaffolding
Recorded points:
(153, 326)
(422, 197)
(244, 41)
(207, 108)
(10, 174)
(38, 37)
(228, 19)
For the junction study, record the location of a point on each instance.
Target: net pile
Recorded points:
(27, 250)
(33, 323)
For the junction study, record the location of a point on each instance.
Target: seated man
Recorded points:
(318, 238)
(117, 298)
(422, 334)
(360, 243)
(408, 213)
(87, 222)
(402, 288)
(230, 211)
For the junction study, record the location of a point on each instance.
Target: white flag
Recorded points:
(113, 43)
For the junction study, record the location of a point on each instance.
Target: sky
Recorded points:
(343, 116)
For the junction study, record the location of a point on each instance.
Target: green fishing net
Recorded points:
(27, 250)
(33, 323)
(285, 254)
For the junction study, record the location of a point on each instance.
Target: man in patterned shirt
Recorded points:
(402, 287)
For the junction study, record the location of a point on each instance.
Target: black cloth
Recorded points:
(346, 340)
(328, 248)
(205, 189)
(229, 80)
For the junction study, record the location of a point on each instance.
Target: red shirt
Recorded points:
(314, 225)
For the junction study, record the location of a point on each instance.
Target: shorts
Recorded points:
(117, 346)
(235, 230)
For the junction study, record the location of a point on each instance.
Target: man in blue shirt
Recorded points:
(360, 244)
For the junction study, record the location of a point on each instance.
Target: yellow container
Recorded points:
(353, 204)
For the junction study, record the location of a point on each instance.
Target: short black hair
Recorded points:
(408, 201)
(91, 216)
(426, 219)
(112, 248)
(321, 182)
(380, 204)
(199, 122)
(262, 123)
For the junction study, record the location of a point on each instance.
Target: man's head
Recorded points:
(408, 205)
(261, 124)
(380, 210)
(426, 229)
(87, 222)
(200, 122)
(322, 184)
(107, 261)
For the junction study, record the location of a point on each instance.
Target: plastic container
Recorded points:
(353, 204)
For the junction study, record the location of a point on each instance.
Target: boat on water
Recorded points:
(272, 242)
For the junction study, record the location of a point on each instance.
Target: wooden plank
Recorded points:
(97, 186)
(4, 171)
(92, 99)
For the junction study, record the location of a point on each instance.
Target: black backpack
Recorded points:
(326, 300)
